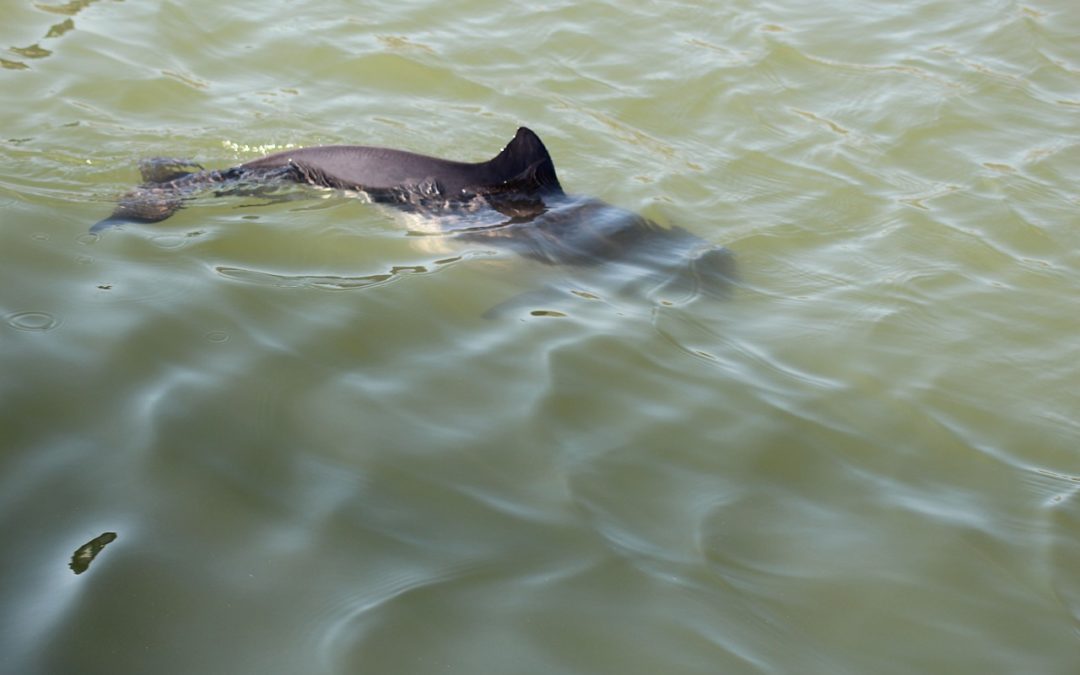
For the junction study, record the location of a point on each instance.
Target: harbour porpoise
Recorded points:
(532, 215)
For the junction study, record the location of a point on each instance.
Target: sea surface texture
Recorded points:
(299, 433)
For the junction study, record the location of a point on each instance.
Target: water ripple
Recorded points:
(346, 625)
(333, 282)
(328, 282)
(35, 322)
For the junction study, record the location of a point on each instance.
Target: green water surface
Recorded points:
(320, 452)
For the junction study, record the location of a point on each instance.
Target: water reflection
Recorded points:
(68, 8)
(637, 254)
(36, 51)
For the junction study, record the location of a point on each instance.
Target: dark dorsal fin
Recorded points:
(525, 159)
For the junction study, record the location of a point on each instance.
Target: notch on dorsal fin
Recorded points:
(525, 159)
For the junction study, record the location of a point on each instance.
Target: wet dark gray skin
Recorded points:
(536, 218)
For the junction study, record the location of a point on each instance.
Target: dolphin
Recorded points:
(519, 186)
(521, 173)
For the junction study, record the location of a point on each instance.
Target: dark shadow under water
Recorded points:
(634, 252)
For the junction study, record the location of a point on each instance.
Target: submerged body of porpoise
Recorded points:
(535, 218)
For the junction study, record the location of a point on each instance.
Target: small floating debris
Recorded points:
(85, 554)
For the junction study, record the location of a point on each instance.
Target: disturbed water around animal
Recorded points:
(311, 436)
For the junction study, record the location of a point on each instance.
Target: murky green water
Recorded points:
(320, 454)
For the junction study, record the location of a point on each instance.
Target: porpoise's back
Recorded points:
(375, 169)
(523, 167)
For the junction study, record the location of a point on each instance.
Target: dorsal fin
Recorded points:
(526, 158)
